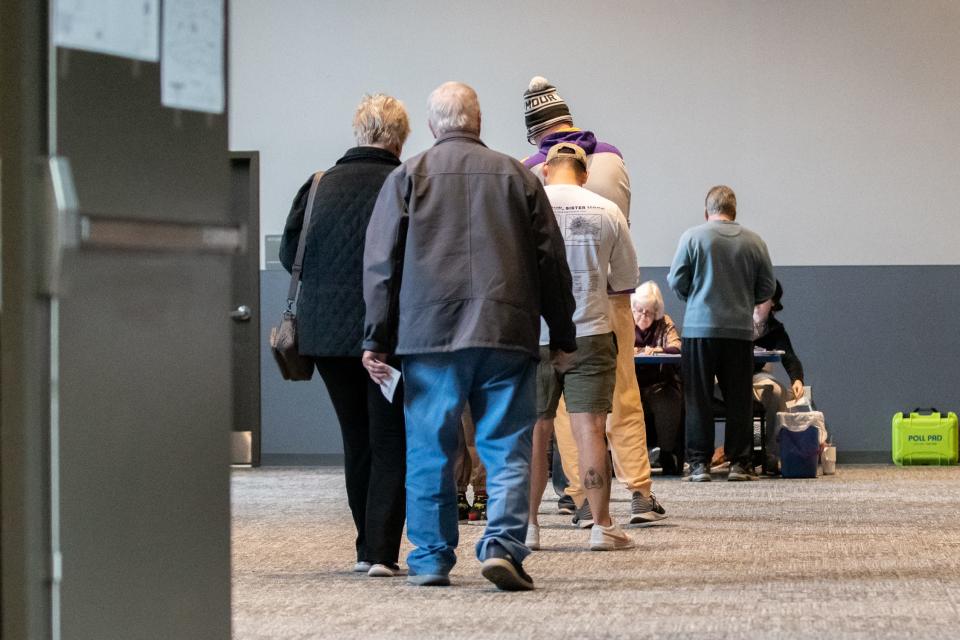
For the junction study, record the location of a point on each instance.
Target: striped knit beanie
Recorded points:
(543, 107)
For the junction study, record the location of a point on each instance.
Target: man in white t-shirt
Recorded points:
(600, 253)
(549, 122)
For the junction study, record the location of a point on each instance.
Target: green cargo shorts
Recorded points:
(588, 386)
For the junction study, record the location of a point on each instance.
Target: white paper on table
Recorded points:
(389, 386)
(126, 28)
(191, 70)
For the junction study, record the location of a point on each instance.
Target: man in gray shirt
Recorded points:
(721, 270)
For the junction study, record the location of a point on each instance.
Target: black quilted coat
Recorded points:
(330, 309)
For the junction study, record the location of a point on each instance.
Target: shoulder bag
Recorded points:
(283, 338)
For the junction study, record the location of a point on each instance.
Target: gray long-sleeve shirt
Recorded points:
(722, 270)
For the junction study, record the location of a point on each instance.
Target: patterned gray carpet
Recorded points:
(873, 552)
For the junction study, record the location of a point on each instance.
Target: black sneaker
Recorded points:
(463, 507)
(700, 473)
(741, 473)
(505, 572)
(566, 506)
(654, 456)
(645, 509)
(429, 579)
(478, 511)
(670, 464)
(583, 518)
(772, 466)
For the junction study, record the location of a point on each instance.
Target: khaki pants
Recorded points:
(626, 431)
(468, 469)
(769, 392)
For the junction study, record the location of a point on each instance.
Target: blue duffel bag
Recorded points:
(799, 452)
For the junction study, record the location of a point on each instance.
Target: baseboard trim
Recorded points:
(336, 459)
(863, 457)
(301, 459)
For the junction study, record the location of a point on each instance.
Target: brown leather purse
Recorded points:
(283, 339)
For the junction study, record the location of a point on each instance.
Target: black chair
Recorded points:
(759, 418)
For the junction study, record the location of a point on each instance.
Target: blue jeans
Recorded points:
(500, 386)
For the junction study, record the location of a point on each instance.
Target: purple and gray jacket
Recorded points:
(608, 175)
(607, 172)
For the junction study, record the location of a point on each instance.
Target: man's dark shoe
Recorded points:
(700, 473)
(670, 464)
(502, 570)
(771, 466)
(645, 509)
(463, 507)
(741, 473)
(566, 506)
(429, 580)
(653, 455)
(583, 518)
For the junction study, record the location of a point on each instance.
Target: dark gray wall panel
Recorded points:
(296, 417)
(873, 341)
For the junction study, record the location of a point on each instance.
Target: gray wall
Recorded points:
(873, 341)
(830, 118)
(298, 424)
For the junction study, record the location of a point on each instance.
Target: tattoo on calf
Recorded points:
(592, 479)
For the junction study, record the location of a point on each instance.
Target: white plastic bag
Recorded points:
(801, 420)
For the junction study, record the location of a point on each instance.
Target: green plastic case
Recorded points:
(925, 438)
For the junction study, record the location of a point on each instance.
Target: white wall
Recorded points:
(837, 123)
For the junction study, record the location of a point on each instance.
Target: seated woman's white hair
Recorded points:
(649, 293)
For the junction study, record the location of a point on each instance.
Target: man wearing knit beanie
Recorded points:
(543, 109)
(549, 122)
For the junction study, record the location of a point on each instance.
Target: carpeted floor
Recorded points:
(873, 552)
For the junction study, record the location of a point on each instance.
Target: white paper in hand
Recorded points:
(389, 386)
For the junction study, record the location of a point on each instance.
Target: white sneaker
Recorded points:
(610, 538)
(533, 537)
(383, 571)
(361, 567)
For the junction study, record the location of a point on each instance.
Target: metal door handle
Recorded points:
(241, 314)
(61, 228)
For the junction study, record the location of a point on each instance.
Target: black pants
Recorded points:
(731, 362)
(374, 448)
(559, 478)
(663, 410)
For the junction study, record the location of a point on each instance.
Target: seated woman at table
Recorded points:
(660, 390)
(770, 334)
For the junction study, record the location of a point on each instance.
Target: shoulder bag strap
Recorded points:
(298, 261)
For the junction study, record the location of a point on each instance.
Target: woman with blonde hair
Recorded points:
(330, 316)
(660, 389)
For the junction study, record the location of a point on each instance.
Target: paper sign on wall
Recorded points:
(127, 28)
(191, 71)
